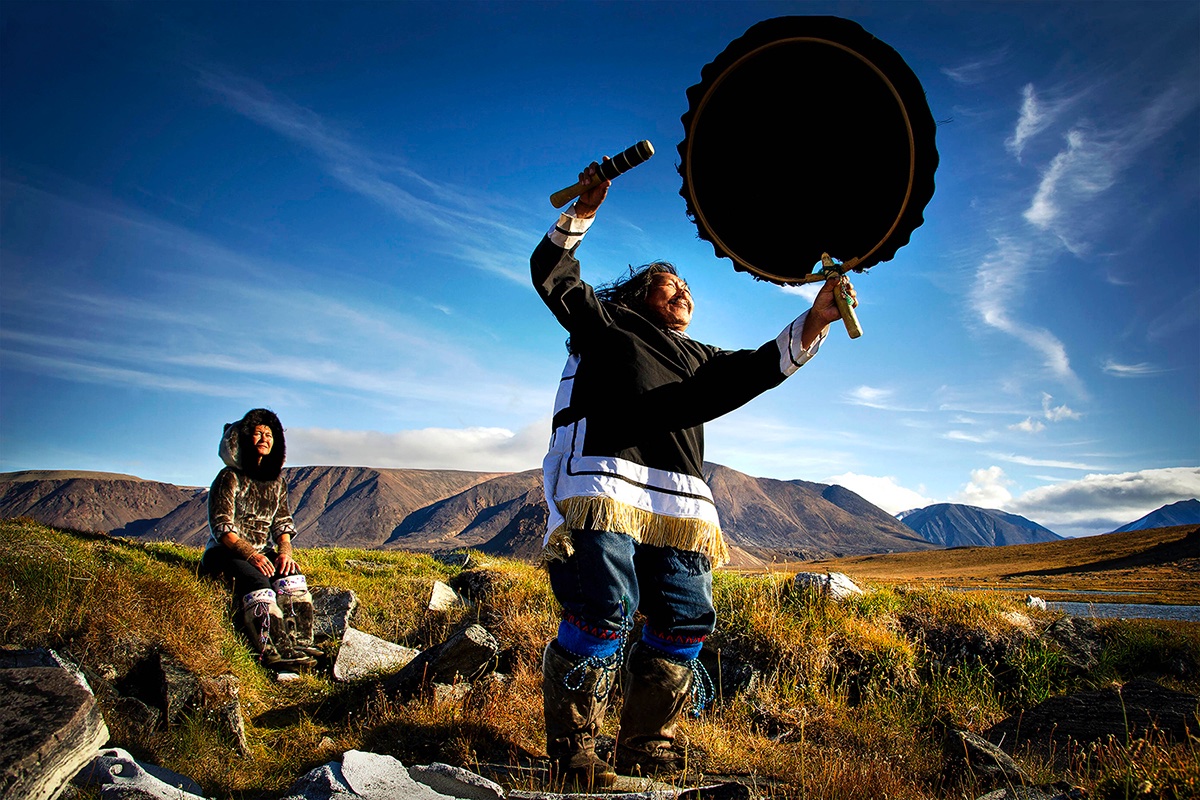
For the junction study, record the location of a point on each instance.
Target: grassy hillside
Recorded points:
(851, 701)
(1146, 566)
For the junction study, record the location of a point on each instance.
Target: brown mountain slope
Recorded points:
(1160, 565)
(89, 501)
(790, 519)
(361, 506)
(472, 517)
(504, 513)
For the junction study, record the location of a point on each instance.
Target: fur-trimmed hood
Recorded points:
(237, 442)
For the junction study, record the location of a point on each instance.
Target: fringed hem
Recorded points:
(597, 512)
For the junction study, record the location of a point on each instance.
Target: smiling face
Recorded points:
(669, 301)
(263, 440)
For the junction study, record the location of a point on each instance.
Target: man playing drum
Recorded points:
(632, 523)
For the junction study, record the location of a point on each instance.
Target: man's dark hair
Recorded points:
(630, 291)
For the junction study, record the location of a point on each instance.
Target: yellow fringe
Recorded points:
(606, 514)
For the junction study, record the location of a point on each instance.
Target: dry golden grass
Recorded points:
(1152, 566)
(850, 700)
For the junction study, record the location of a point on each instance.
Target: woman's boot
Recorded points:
(263, 620)
(656, 690)
(575, 695)
(296, 604)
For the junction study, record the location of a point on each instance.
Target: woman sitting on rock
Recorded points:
(250, 541)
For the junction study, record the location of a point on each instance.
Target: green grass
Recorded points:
(852, 700)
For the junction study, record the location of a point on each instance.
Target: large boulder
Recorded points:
(51, 725)
(1133, 710)
(362, 655)
(361, 776)
(834, 585)
(117, 773)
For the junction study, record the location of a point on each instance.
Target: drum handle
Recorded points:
(849, 317)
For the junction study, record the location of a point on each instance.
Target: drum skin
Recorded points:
(807, 135)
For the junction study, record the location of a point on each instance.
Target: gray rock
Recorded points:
(365, 656)
(834, 585)
(457, 782)
(458, 558)
(1048, 791)
(467, 655)
(222, 704)
(52, 727)
(117, 774)
(361, 776)
(443, 598)
(1138, 709)
(332, 611)
(969, 754)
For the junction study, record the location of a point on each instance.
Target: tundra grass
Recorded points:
(850, 700)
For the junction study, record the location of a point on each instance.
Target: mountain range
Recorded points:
(957, 525)
(437, 510)
(1185, 512)
(764, 519)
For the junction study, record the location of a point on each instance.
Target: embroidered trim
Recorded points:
(598, 512)
(591, 630)
(290, 584)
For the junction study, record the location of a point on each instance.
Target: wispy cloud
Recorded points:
(999, 280)
(1093, 158)
(1035, 117)
(971, 73)
(1140, 370)
(442, 210)
(1043, 462)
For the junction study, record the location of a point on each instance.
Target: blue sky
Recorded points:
(327, 209)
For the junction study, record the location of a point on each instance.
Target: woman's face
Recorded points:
(263, 439)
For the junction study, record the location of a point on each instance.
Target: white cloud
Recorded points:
(475, 449)
(806, 290)
(1028, 425)
(1057, 413)
(1035, 117)
(1099, 503)
(884, 492)
(869, 396)
(1091, 161)
(988, 488)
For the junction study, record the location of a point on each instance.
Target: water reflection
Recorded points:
(1128, 611)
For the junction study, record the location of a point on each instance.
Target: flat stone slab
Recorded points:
(52, 727)
(361, 776)
(365, 656)
(835, 585)
(117, 768)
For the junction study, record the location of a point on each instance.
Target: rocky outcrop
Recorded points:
(51, 723)
(1135, 710)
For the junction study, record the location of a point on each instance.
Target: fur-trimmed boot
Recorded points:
(656, 691)
(575, 696)
(263, 620)
(296, 604)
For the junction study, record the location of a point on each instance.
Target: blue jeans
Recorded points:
(610, 575)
